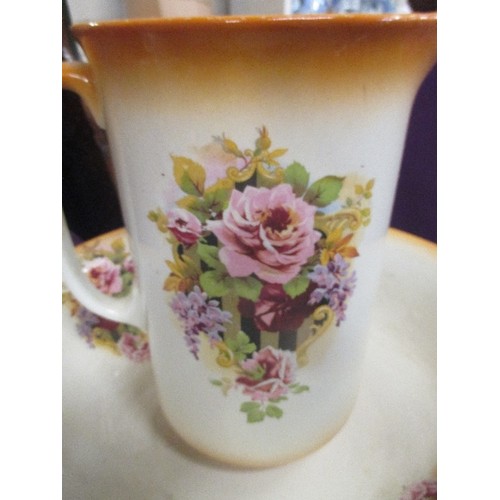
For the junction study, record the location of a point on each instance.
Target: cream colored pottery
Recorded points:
(116, 443)
(256, 160)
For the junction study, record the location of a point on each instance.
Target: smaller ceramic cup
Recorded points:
(108, 264)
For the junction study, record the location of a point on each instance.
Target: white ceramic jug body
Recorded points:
(256, 161)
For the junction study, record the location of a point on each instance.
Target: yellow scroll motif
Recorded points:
(350, 218)
(241, 175)
(322, 317)
(267, 177)
(225, 357)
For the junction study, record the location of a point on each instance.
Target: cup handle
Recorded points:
(77, 77)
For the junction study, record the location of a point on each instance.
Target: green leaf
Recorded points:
(248, 288)
(239, 341)
(188, 201)
(298, 177)
(278, 400)
(241, 346)
(217, 196)
(217, 383)
(215, 283)
(197, 206)
(274, 411)
(248, 348)
(296, 286)
(242, 338)
(249, 406)
(325, 190)
(103, 334)
(189, 175)
(300, 388)
(255, 416)
(124, 328)
(232, 344)
(127, 280)
(210, 255)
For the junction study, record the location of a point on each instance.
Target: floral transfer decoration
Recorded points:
(423, 490)
(111, 269)
(262, 264)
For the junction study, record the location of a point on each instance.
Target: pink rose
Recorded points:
(105, 275)
(268, 374)
(184, 226)
(134, 347)
(269, 232)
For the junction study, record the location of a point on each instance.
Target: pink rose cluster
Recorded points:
(269, 232)
(267, 374)
(105, 275)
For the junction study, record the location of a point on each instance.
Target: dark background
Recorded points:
(415, 206)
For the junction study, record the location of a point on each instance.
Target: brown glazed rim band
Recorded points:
(253, 21)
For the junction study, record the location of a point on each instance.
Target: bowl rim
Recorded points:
(254, 21)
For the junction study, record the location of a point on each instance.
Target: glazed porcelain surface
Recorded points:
(116, 443)
(256, 160)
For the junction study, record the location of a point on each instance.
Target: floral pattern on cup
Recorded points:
(422, 490)
(110, 268)
(262, 263)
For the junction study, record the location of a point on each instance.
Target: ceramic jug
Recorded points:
(256, 160)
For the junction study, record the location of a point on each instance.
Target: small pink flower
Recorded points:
(421, 491)
(134, 347)
(105, 275)
(184, 226)
(129, 265)
(269, 232)
(267, 374)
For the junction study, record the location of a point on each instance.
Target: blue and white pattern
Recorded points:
(347, 6)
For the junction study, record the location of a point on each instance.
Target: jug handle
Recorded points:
(77, 77)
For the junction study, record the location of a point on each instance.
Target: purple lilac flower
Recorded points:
(334, 285)
(199, 314)
(86, 322)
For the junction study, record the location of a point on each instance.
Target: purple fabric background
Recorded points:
(415, 206)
